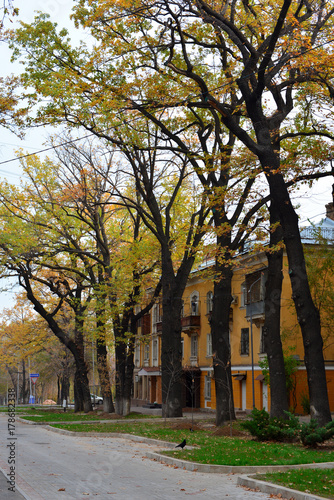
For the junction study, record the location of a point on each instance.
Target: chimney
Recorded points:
(330, 207)
(330, 211)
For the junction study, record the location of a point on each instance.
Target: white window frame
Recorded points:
(209, 302)
(155, 351)
(137, 353)
(194, 345)
(155, 317)
(207, 387)
(146, 354)
(243, 295)
(261, 349)
(208, 344)
(194, 304)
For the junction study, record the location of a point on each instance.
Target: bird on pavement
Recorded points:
(181, 445)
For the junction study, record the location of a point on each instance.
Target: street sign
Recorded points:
(34, 377)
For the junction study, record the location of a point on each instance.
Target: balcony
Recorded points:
(191, 319)
(193, 361)
(190, 323)
(256, 309)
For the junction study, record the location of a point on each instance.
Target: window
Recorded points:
(243, 300)
(194, 302)
(209, 302)
(146, 354)
(262, 350)
(208, 344)
(193, 346)
(155, 352)
(244, 341)
(207, 387)
(137, 311)
(155, 317)
(137, 354)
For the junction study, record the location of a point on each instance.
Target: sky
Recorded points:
(35, 140)
(312, 202)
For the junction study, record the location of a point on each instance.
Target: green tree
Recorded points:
(281, 55)
(197, 65)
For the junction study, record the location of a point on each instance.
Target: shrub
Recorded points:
(266, 428)
(311, 434)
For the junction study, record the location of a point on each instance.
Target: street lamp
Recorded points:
(251, 331)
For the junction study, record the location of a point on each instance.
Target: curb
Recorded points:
(271, 488)
(234, 469)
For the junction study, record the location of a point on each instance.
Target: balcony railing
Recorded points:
(191, 319)
(193, 360)
(190, 322)
(255, 308)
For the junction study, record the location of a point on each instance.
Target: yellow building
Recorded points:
(246, 322)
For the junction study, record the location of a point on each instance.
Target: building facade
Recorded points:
(246, 340)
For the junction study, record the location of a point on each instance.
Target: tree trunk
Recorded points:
(272, 322)
(82, 399)
(220, 332)
(103, 371)
(171, 355)
(65, 388)
(124, 361)
(58, 390)
(25, 384)
(128, 383)
(171, 351)
(120, 355)
(307, 314)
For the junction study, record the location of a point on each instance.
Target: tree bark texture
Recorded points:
(307, 314)
(272, 322)
(171, 352)
(220, 332)
(103, 371)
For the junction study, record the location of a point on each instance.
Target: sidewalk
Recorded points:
(5, 493)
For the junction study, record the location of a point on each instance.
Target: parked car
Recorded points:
(96, 399)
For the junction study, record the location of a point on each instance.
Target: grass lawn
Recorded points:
(18, 409)
(315, 481)
(70, 416)
(213, 448)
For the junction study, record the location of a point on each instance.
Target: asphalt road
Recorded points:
(50, 466)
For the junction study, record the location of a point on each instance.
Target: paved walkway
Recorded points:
(51, 466)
